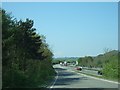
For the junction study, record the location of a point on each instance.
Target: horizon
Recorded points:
(72, 29)
(87, 56)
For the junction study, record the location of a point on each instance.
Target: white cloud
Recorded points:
(58, 54)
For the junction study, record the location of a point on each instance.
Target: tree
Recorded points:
(24, 52)
(110, 70)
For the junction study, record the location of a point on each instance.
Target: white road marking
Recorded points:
(84, 75)
(55, 80)
(96, 78)
(99, 79)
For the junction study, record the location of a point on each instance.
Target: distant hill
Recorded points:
(99, 60)
(107, 55)
(98, 57)
(113, 52)
(96, 61)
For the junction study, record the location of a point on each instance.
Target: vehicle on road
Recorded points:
(61, 63)
(100, 72)
(65, 63)
(79, 68)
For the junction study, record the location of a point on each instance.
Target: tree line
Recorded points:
(107, 61)
(26, 57)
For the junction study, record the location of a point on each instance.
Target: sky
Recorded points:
(72, 29)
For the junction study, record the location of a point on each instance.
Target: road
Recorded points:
(92, 72)
(67, 78)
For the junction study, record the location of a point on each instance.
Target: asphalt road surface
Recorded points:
(67, 78)
(92, 72)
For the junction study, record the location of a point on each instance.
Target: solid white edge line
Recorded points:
(100, 79)
(55, 80)
(86, 76)
(97, 78)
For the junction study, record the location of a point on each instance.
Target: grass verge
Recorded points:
(102, 77)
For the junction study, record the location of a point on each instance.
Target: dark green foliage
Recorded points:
(26, 57)
(56, 61)
(86, 61)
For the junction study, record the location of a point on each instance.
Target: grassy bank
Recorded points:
(102, 77)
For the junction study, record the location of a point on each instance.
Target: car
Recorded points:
(61, 63)
(79, 68)
(100, 72)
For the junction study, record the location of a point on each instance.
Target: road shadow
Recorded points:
(65, 81)
(68, 81)
(67, 78)
(59, 69)
(84, 89)
(66, 74)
